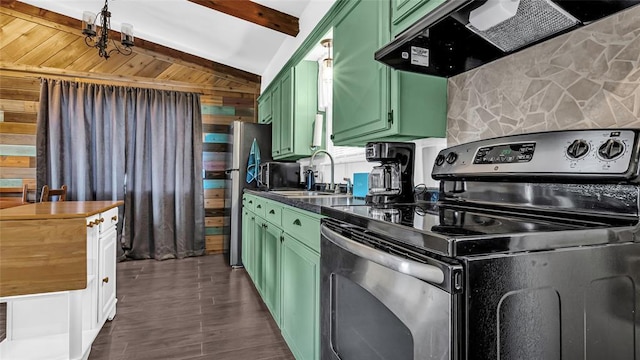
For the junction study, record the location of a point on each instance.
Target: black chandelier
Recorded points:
(92, 27)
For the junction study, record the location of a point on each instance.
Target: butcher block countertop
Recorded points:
(43, 246)
(57, 210)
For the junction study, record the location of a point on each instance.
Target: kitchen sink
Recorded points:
(308, 194)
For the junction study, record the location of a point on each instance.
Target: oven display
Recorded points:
(505, 154)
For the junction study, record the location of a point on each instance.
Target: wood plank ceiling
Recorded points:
(39, 41)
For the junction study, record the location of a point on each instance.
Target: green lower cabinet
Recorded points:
(248, 220)
(281, 255)
(300, 316)
(257, 250)
(271, 245)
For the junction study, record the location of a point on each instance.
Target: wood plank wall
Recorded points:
(19, 97)
(217, 113)
(18, 111)
(31, 48)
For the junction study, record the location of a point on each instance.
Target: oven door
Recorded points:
(374, 305)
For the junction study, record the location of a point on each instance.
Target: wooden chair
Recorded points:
(29, 194)
(49, 194)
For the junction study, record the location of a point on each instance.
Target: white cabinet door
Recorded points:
(90, 298)
(107, 275)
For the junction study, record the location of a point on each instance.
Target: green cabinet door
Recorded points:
(372, 102)
(264, 108)
(247, 234)
(271, 269)
(405, 13)
(360, 84)
(276, 119)
(419, 109)
(287, 118)
(257, 250)
(300, 316)
(298, 107)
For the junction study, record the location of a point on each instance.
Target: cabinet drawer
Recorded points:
(249, 202)
(273, 213)
(302, 227)
(109, 219)
(259, 206)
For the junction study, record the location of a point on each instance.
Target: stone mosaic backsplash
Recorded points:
(588, 78)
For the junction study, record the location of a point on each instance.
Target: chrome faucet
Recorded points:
(332, 187)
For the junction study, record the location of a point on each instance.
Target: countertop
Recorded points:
(311, 204)
(57, 210)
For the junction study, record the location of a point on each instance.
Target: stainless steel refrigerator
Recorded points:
(241, 138)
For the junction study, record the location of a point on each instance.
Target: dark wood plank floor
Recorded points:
(194, 308)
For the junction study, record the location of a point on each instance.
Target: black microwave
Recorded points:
(279, 175)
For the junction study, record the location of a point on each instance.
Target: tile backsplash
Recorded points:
(588, 78)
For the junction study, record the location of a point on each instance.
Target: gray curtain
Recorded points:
(141, 145)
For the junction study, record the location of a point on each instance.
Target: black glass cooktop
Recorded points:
(455, 228)
(451, 220)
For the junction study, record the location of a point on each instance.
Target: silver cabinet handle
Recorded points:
(418, 270)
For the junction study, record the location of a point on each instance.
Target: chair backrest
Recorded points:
(49, 194)
(29, 194)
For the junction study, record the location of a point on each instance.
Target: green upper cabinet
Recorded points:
(264, 108)
(286, 114)
(276, 111)
(406, 12)
(360, 84)
(370, 100)
(294, 102)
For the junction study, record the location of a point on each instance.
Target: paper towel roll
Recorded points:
(317, 131)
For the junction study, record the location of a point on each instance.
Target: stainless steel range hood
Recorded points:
(461, 35)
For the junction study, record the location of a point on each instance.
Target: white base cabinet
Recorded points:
(63, 325)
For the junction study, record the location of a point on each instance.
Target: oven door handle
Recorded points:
(426, 272)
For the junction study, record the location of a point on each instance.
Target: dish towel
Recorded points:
(253, 163)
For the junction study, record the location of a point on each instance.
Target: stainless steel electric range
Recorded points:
(532, 252)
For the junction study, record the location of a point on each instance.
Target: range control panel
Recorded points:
(604, 152)
(501, 154)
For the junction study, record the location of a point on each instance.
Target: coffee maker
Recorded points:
(392, 180)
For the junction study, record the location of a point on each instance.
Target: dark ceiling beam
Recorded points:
(255, 13)
(141, 43)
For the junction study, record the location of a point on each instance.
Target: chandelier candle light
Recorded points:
(90, 29)
(327, 63)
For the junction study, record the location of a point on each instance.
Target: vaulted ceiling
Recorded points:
(36, 45)
(232, 35)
